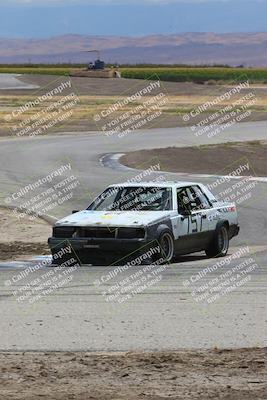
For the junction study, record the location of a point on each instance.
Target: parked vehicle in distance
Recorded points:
(174, 218)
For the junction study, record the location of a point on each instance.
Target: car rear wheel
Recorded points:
(166, 243)
(220, 244)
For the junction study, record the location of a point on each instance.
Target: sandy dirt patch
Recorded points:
(215, 374)
(22, 237)
(210, 159)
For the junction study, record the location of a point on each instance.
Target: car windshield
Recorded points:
(136, 198)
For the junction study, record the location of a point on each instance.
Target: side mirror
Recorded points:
(75, 211)
(185, 212)
(213, 201)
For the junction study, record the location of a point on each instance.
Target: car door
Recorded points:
(193, 231)
(187, 224)
(201, 212)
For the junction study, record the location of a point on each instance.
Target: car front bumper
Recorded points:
(99, 251)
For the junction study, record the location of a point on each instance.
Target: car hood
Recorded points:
(114, 218)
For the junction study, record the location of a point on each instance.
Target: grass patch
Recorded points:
(62, 71)
(210, 75)
(197, 75)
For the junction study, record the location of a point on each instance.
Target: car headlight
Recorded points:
(131, 233)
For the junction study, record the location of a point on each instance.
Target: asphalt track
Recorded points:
(165, 315)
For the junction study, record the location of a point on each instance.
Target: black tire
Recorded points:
(166, 243)
(220, 244)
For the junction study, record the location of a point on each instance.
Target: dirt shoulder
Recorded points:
(211, 159)
(22, 237)
(214, 374)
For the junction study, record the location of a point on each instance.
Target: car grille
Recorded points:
(99, 233)
(64, 232)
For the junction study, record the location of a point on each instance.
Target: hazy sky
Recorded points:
(38, 18)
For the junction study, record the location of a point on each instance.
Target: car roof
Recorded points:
(170, 184)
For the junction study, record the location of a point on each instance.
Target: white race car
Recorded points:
(173, 218)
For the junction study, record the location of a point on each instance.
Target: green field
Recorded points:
(173, 74)
(51, 70)
(197, 75)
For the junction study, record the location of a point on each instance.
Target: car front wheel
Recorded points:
(166, 243)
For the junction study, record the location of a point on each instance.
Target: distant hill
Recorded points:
(249, 49)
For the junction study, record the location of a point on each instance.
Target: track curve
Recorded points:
(164, 317)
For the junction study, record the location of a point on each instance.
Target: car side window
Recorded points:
(200, 201)
(184, 200)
